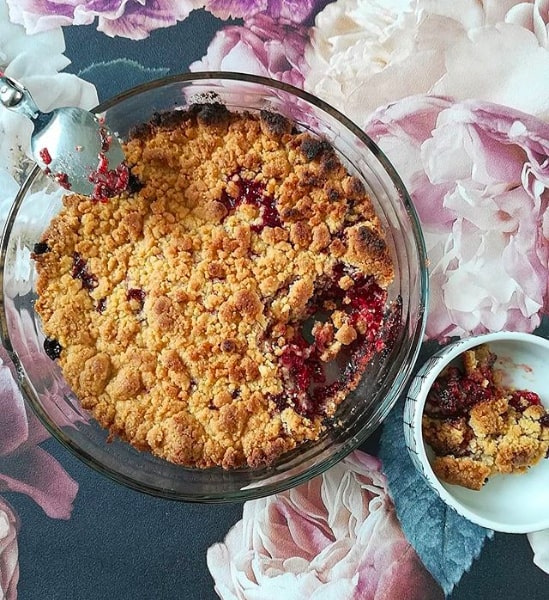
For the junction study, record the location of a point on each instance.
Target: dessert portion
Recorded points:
(218, 310)
(478, 427)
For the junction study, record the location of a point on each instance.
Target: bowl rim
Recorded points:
(397, 386)
(428, 373)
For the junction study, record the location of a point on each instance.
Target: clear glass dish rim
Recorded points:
(347, 447)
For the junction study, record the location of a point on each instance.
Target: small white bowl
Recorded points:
(516, 503)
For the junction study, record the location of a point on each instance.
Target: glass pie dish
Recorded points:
(361, 411)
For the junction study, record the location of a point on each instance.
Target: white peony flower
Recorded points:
(364, 54)
(533, 15)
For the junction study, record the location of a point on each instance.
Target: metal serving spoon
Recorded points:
(71, 145)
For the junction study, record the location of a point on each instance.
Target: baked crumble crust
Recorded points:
(178, 306)
(478, 427)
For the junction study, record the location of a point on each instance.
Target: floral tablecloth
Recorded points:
(457, 95)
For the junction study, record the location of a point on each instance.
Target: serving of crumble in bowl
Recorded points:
(476, 423)
(233, 310)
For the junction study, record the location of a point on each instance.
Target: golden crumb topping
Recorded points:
(179, 309)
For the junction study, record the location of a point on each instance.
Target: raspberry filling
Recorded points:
(45, 156)
(136, 294)
(62, 179)
(454, 393)
(253, 193)
(80, 271)
(108, 182)
(520, 400)
(305, 373)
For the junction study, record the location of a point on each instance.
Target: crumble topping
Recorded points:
(477, 427)
(195, 314)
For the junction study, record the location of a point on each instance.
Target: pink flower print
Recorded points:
(478, 175)
(336, 536)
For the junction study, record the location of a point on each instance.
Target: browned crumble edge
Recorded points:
(171, 307)
(506, 431)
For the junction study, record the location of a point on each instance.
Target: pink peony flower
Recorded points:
(9, 564)
(295, 11)
(336, 536)
(364, 54)
(264, 47)
(478, 175)
(133, 19)
(25, 467)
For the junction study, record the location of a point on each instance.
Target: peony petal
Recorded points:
(472, 71)
(134, 20)
(533, 16)
(38, 475)
(9, 554)
(539, 540)
(364, 54)
(264, 47)
(302, 536)
(481, 190)
(36, 62)
(317, 540)
(14, 427)
(236, 9)
(295, 11)
(217, 559)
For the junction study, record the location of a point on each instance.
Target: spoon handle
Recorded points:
(16, 97)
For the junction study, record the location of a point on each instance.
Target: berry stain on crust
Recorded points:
(101, 305)
(136, 294)
(80, 271)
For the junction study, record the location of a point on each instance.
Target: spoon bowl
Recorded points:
(71, 145)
